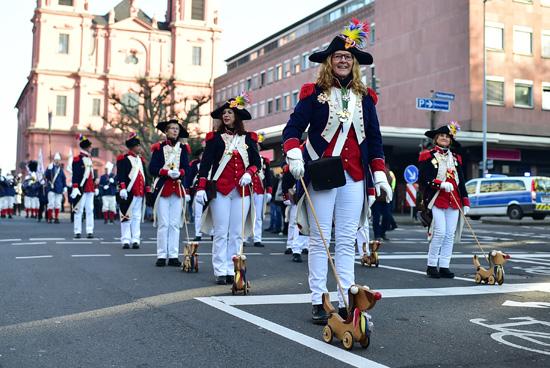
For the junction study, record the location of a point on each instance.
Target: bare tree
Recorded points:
(140, 109)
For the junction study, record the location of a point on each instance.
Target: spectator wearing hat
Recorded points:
(57, 186)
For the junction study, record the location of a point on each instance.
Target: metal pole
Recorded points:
(50, 133)
(484, 107)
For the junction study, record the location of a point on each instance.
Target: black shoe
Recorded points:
(111, 221)
(90, 236)
(432, 272)
(297, 257)
(9, 216)
(446, 273)
(135, 246)
(77, 236)
(161, 262)
(288, 251)
(221, 280)
(343, 312)
(229, 279)
(318, 314)
(197, 238)
(56, 221)
(212, 238)
(305, 251)
(174, 262)
(258, 244)
(126, 246)
(105, 221)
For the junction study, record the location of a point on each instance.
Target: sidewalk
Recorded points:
(526, 221)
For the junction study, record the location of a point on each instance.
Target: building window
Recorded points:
(524, 93)
(545, 49)
(197, 10)
(278, 72)
(269, 107)
(495, 91)
(262, 79)
(96, 107)
(305, 61)
(277, 104)
(197, 55)
(494, 36)
(294, 98)
(546, 96)
(286, 69)
(193, 113)
(254, 111)
(61, 106)
(235, 90)
(523, 40)
(63, 47)
(524, 1)
(65, 2)
(261, 109)
(270, 75)
(130, 103)
(94, 153)
(296, 67)
(286, 102)
(241, 86)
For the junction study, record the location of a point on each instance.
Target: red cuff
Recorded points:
(252, 170)
(122, 185)
(163, 172)
(286, 197)
(269, 190)
(182, 172)
(377, 164)
(201, 184)
(466, 201)
(436, 183)
(75, 185)
(371, 192)
(290, 144)
(147, 189)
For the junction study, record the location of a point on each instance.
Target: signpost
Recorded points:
(411, 174)
(444, 96)
(432, 104)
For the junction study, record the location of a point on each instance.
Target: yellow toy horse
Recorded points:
(495, 273)
(190, 257)
(240, 283)
(371, 259)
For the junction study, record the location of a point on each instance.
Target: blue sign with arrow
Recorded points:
(433, 104)
(411, 174)
(444, 96)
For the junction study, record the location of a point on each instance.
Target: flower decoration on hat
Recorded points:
(454, 127)
(355, 34)
(240, 101)
(261, 137)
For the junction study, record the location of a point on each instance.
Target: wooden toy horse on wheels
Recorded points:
(190, 257)
(358, 326)
(240, 283)
(495, 272)
(372, 258)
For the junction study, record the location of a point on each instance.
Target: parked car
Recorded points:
(512, 196)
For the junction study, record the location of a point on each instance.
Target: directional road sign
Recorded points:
(411, 174)
(444, 96)
(433, 104)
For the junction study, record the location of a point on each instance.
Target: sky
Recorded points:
(244, 22)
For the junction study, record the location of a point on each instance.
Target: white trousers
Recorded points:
(169, 214)
(54, 200)
(294, 240)
(197, 213)
(7, 202)
(86, 204)
(259, 220)
(344, 204)
(227, 219)
(363, 238)
(441, 245)
(130, 231)
(32, 202)
(108, 203)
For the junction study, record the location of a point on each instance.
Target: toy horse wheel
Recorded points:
(347, 340)
(327, 334)
(491, 280)
(362, 262)
(365, 342)
(478, 278)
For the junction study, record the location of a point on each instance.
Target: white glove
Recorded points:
(123, 194)
(50, 166)
(381, 183)
(466, 209)
(267, 197)
(200, 197)
(187, 198)
(174, 174)
(246, 179)
(295, 163)
(447, 187)
(65, 190)
(75, 193)
(111, 180)
(96, 191)
(371, 200)
(287, 202)
(42, 182)
(106, 187)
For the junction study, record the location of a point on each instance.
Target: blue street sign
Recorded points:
(411, 174)
(433, 105)
(444, 96)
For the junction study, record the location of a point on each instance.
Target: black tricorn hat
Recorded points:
(339, 44)
(84, 142)
(163, 125)
(32, 165)
(237, 104)
(451, 129)
(132, 141)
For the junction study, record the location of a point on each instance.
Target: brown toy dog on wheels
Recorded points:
(240, 283)
(495, 273)
(371, 259)
(358, 325)
(190, 257)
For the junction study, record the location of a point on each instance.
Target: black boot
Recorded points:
(446, 273)
(221, 280)
(135, 246)
(305, 251)
(229, 279)
(288, 251)
(432, 272)
(90, 236)
(56, 221)
(343, 312)
(126, 246)
(297, 257)
(318, 314)
(77, 236)
(258, 244)
(161, 262)
(174, 262)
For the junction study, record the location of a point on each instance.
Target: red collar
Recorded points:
(130, 153)
(441, 150)
(84, 153)
(169, 142)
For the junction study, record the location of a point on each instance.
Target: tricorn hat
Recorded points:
(132, 140)
(32, 165)
(83, 141)
(237, 104)
(163, 125)
(451, 129)
(353, 39)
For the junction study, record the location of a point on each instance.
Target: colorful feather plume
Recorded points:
(261, 137)
(454, 127)
(355, 34)
(240, 101)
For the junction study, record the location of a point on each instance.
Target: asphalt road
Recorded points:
(89, 303)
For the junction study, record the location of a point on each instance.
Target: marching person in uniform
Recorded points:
(132, 184)
(55, 178)
(261, 184)
(443, 187)
(340, 113)
(191, 183)
(83, 188)
(107, 192)
(31, 187)
(3, 197)
(169, 163)
(18, 194)
(296, 242)
(231, 157)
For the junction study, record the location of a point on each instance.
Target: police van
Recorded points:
(512, 196)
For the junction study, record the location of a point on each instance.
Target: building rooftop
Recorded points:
(122, 11)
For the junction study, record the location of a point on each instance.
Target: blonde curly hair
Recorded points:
(325, 80)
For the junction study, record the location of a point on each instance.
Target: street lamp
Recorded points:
(484, 107)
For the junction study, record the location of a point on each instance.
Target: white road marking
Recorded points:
(530, 261)
(9, 240)
(307, 341)
(512, 303)
(33, 239)
(110, 242)
(34, 257)
(29, 243)
(141, 255)
(89, 255)
(74, 242)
